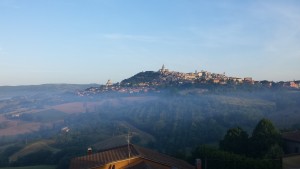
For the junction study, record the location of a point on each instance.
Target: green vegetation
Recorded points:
(41, 145)
(213, 158)
(239, 151)
(265, 140)
(235, 141)
(44, 116)
(175, 121)
(142, 77)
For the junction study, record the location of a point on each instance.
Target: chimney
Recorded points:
(89, 151)
(198, 164)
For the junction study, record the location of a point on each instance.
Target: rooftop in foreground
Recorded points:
(125, 157)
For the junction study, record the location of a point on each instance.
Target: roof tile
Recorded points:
(292, 136)
(121, 153)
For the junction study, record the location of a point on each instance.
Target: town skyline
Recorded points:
(189, 76)
(87, 42)
(150, 81)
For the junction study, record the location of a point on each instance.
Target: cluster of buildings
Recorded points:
(196, 77)
(208, 77)
(109, 87)
(167, 77)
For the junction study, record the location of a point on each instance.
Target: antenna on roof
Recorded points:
(129, 135)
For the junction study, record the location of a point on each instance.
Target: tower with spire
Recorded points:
(108, 83)
(163, 69)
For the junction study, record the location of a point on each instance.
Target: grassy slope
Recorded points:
(121, 139)
(49, 115)
(34, 147)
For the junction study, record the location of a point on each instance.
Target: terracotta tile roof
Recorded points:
(102, 158)
(163, 159)
(292, 136)
(121, 153)
(142, 165)
(115, 141)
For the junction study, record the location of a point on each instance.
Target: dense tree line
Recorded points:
(213, 158)
(263, 150)
(265, 141)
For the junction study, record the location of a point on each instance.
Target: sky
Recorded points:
(91, 41)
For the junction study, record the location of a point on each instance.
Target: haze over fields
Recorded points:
(213, 80)
(56, 122)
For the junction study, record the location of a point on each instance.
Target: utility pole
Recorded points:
(129, 135)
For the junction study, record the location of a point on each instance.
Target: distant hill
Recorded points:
(173, 121)
(34, 147)
(142, 77)
(156, 81)
(7, 92)
(166, 77)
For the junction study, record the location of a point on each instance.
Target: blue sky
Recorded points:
(91, 41)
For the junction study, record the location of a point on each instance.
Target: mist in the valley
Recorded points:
(172, 120)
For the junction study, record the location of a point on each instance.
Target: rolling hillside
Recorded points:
(174, 120)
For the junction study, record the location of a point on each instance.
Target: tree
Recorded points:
(235, 140)
(275, 152)
(264, 137)
(213, 158)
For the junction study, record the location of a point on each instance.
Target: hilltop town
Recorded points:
(151, 81)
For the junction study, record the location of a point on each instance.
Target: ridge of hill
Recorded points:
(8, 92)
(164, 76)
(33, 147)
(153, 81)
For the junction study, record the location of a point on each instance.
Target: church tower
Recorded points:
(163, 69)
(108, 83)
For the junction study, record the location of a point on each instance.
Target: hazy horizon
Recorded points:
(84, 42)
